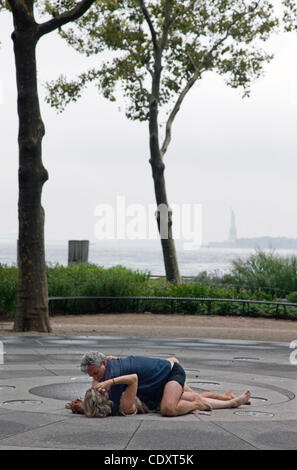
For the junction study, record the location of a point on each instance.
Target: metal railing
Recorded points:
(173, 300)
(218, 282)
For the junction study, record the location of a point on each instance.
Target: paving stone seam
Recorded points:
(128, 443)
(31, 429)
(235, 435)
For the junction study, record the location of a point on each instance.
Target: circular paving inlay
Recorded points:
(62, 391)
(260, 414)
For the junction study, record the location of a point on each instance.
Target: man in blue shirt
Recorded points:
(152, 376)
(161, 382)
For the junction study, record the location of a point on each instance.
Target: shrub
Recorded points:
(8, 289)
(267, 272)
(85, 280)
(292, 297)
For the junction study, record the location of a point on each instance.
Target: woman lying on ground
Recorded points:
(96, 403)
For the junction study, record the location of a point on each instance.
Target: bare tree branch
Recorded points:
(176, 109)
(190, 83)
(65, 17)
(167, 22)
(150, 24)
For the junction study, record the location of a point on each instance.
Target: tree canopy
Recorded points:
(152, 52)
(222, 36)
(290, 15)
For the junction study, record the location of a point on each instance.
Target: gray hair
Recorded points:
(91, 358)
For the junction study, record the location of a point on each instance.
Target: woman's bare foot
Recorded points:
(243, 399)
(230, 395)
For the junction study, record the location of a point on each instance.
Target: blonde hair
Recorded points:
(96, 404)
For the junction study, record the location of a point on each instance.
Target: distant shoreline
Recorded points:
(146, 256)
(262, 243)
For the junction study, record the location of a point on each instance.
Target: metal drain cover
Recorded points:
(260, 414)
(211, 384)
(259, 398)
(22, 402)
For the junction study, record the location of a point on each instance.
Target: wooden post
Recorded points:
(78, 251)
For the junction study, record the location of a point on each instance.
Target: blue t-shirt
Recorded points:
(152, 377)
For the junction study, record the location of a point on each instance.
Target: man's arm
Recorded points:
(130, 379)
(128, 398)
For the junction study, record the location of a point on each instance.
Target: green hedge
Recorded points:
(8, 289)
(91, 280)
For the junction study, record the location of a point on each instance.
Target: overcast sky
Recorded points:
(226, 152)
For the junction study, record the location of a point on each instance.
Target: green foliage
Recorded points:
(91, 280)
(194, 37)
(290, 15)
(85, 280)
(4, 5)
(292, 297)
(266, 271)
(8, 288)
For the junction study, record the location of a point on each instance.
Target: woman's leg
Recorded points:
(190, 394)
(228, 395)
(231, 403)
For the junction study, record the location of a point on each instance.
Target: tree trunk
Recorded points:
(164, 221)
(32, 304)
(164, 215)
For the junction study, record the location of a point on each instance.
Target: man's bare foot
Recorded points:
(229, 395)
(241, 400)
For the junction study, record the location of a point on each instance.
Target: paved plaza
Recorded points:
(40, 373)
